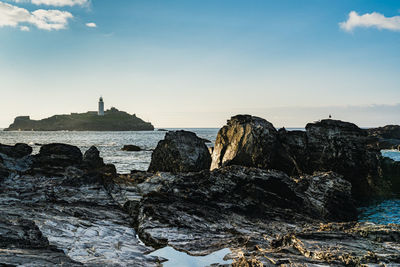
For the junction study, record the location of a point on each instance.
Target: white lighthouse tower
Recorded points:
(101, 107)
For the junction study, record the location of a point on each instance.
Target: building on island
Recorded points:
(101, 107)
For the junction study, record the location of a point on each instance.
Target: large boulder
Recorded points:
(19, 150)
(391, 172)
(328, 195)
(327, 145)
(247, 141)
(387, 137)
(54, 158)
(338, 146)
(92, 158)
(387, 132)
(180, 151)
(212, 209)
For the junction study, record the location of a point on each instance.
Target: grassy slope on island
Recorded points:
(113, 120)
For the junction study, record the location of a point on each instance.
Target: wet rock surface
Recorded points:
(64, 208)
(263, 216)
(64, 218)
(332, 244)
(16, 151)
(180, 151)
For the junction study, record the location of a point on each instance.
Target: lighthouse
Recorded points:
(101, 107)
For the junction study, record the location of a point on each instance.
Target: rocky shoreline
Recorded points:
(272, 197)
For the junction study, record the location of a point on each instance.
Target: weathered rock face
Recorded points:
(18, 151)
(391, 171)
(246, 141)
(208, 210)
(387, 132)
(92, 158)
(293, 148)
(387, 137)
(180, 151)
(265, 217)
(55, 158)
(342, 147)
(328, 145)
(64, 218)
(328, 195)
(70, 217)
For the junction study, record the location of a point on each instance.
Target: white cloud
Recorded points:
(91, 25)
(60, 2)
(370, 20)
(24, 28)
(14, 16)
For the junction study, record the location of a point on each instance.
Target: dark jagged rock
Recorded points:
(84, 215)
(180, 151)
(208, 210)
(17, 151)
(294, 145)
(327, 145)
(391, 171)
(54, 158)
(4, 173)
(342, 147)
(67, 219)
(61, 154)
(387, 137)
(92, 158)
(130, 148)
(23, 244)
(206, 140)
(386, 132)
(329, 194)
(265, 217)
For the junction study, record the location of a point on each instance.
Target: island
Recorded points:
(111, 120)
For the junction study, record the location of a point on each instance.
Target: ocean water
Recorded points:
(108, 143)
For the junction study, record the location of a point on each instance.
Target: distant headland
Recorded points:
(109, 120)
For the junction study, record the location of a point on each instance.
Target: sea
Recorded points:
(110, 144)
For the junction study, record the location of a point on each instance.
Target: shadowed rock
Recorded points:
(17, 151)
(54, 158)
(180, 151)
(342, 147)
(213, 209)
(92, 158)
(327, 145)
(131, 148)
(387, 137)
(62, 215)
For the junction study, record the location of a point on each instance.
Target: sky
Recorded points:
(188, 63)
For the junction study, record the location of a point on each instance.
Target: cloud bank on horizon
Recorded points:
(370, 20)
(14, 16)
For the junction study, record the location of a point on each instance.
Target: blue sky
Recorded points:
(196, 63)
